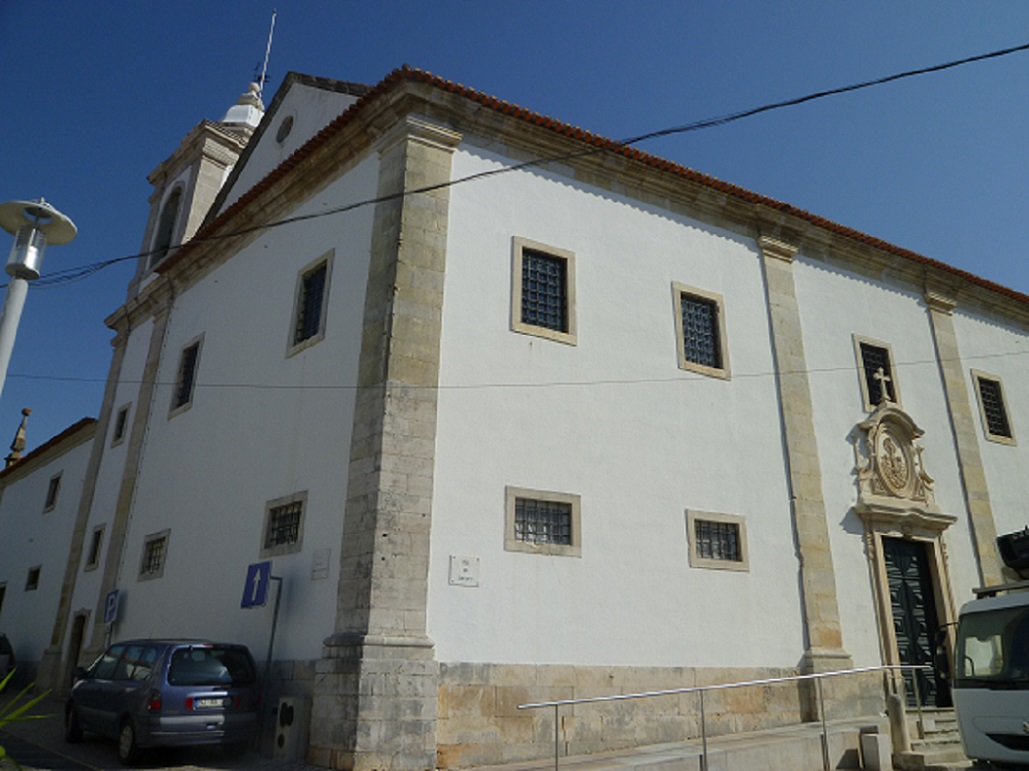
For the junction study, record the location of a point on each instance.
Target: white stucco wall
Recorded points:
(261, 426)
(1002, 351)
(614, 420)
(835, 305)
(31, 537)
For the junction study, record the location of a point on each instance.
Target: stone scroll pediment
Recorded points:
(893, 484)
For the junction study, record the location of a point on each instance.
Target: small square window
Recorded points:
(993, 408)
(700, 331)
(185, 380)
(717, 541)
(121, 425)
(32, 580)
(284, 525)
(155, 554)
(3, 595)
(878, 378)
(95, 545)
(542, 522)
(310, 305)
(52, 491)
(543, 291)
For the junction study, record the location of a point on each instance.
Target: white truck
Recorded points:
(991, 675)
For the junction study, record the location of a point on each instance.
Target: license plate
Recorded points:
(209, 703)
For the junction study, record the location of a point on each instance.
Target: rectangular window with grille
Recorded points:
(32, 579)
(121, 423)
(284, 525)
(543, 283)
(185, 381)
(993, 408)
(878, 379)
(542, 522)
(717, 541)
(95, 544)
(51, 493)
(700, 331)
(309, 309)
(155, 553)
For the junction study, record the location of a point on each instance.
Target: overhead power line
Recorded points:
(71, 275)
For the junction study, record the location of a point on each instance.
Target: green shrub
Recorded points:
(16, 709)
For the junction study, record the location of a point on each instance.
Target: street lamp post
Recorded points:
(33, 224)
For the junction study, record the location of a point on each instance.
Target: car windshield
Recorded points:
(211, 665)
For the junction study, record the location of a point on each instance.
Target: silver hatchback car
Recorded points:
(167, 693)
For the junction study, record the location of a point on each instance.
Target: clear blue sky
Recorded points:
(95, 95)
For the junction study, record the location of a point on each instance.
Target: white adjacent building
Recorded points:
(518, 413)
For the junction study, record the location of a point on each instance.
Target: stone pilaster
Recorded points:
(144, 411)
(966, 439)
(52, 674)
(376, 685)
(818, 579)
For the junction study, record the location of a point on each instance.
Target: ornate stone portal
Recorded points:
(904, 539)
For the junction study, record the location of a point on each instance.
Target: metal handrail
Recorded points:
(700, 689)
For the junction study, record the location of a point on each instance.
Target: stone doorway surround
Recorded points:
(896, 500)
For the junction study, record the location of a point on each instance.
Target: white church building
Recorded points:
(517, 413)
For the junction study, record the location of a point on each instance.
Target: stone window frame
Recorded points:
(120, 426)
(866, 397)
(32, 578)
(294, 346)
(96, 547)
(53, 492)
(282, 549)
(177, 407)
(679, 290)
(515, 544)
(147, 572)
(165, 226)
(696, 561)
(519, 246)
(978, 376)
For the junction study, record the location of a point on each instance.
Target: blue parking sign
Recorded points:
(111, 606)
(255, 588)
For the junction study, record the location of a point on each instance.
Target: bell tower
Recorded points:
(187, 182)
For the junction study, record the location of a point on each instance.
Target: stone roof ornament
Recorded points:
(18, 445)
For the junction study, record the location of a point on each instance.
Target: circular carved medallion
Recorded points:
(893, 459)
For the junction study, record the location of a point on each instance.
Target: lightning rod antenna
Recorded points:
(267, 53)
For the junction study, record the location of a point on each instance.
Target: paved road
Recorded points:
(39, 744)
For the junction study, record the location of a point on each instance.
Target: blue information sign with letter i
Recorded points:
(255, 588)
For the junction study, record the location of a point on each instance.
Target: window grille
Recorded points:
(539, 521)
(51, 493)
(153, 557)
(284, 524)
(878, 374)
(717, 540)
(993, 408)
(700, 331)
(119, 425)
(94, 547)
(187, 376)
(544, 290)
(309, 306)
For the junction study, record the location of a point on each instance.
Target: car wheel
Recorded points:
(128, 750)
(72, 726)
